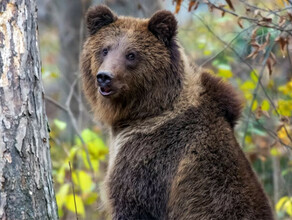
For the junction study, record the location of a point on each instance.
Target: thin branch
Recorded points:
(74, 123)
(73, 191)
(259, 81)
(67, 109)
(256, 21)
(271, 133)
(256, 91)
(56, 103)
(227, 45)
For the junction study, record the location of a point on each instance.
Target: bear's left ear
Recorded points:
(99, 16)
(163, 25)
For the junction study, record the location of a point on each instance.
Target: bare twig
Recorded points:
(271, 133)
(55, 103)
(256, 90)
(256, 21)
(227, 45)
(73, 191)
(67, 109)
(252, 69)
(74, 123)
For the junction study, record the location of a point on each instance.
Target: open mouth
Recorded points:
(105, 91)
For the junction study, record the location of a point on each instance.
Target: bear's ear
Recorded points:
(99, 16)
(163, 25)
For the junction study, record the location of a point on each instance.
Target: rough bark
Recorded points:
(26, 189)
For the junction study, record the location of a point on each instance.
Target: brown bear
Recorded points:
(173, 153)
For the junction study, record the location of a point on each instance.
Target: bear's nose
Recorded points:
(104, 79)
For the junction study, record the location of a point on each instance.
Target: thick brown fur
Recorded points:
(173, 153)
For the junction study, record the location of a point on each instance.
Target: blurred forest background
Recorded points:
(246, 42)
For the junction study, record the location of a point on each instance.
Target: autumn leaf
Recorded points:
(210, 7)
(178, 4)
(230, 4)
(282, 21)
(239, 22)
(193, 4)
(254, 35)
(270, 64)
(285, 120)
(281, 3)
(255, 52)
(290, 16)
(257, 13)
(258, 112)
(267, 19)
(283, 42)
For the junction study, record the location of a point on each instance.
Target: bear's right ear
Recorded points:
(99, 16)
(163, 25)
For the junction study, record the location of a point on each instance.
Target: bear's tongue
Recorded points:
(106, 89)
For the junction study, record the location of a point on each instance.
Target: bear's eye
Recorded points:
(104, 51)
(130, 56)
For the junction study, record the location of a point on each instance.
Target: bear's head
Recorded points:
(131, 67)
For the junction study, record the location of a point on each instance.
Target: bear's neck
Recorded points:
(146, 108)
(142, 114)
(180, 91)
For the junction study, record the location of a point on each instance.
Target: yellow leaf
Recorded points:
(91, 198)
(274, 152)
(248, 85)
(83, 180)
(207, 52)
(97, 148)
(61, 175)
(71, 205)
(224, 71)
(254, 105)
(61, 195)
(288, 206)
(60, 124)
(281, 3)
(281, 202)
(254, 76)
(286, 89)
(265, 105)
(282, 133)
(72, 153)
(94, 162)
(248, 139)
(285, 107)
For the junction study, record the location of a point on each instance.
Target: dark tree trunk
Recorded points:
(26, 189)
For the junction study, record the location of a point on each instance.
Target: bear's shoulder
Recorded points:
(221, 97)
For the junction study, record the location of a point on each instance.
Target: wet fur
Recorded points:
(173, 152)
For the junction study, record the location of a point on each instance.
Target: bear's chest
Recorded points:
(141, 174)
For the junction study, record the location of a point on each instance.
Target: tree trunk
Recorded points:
(26, 189)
